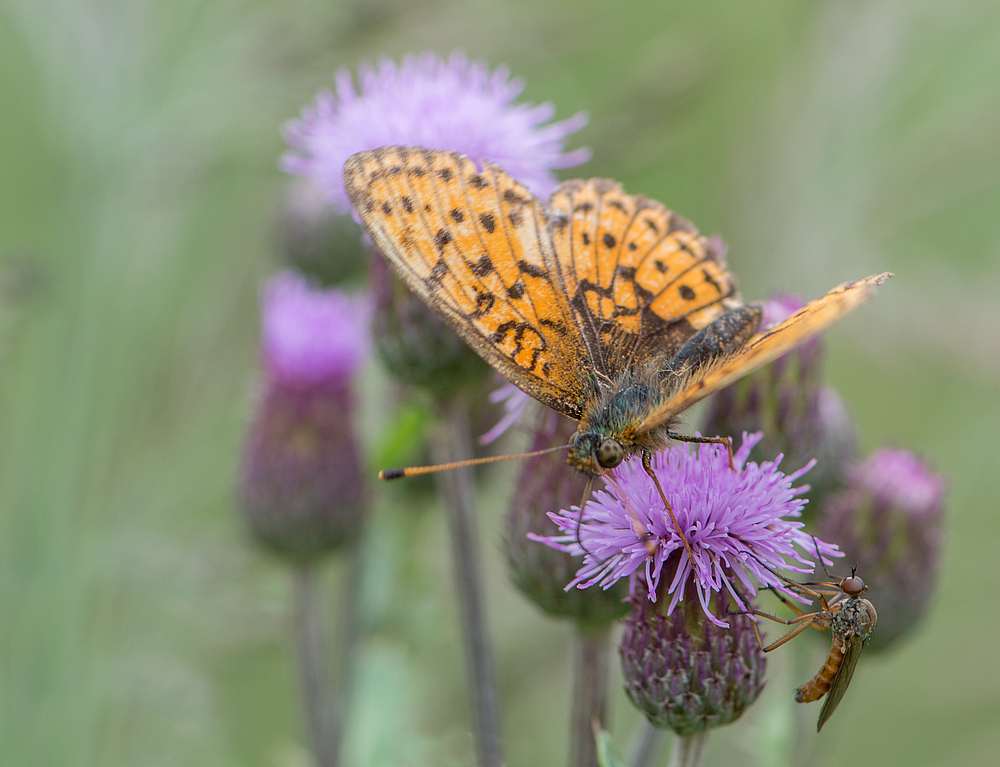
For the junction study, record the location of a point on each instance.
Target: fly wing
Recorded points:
(852, 651)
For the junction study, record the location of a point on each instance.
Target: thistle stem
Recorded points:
(688, 750)
(590, 685)
(645, 745)
(454, 443)
(309, 644)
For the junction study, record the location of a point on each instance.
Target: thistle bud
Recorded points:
(415, 344)
(685, 672)
(300, 483)
(547, 484)
(889, 523)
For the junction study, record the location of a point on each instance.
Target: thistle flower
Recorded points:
(515, 403)
(685, 673)
(300, 485)
(889, 521)
(740, 525)
(458, 105)
(540, 573)
(800, 416)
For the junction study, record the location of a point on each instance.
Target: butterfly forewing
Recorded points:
(768, 346)
(476, 246)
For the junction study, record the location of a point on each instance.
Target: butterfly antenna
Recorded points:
(648, 466)
(413, 471)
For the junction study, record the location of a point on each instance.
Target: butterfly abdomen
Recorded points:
(718, 339)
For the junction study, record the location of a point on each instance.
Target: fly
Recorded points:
(850, 618)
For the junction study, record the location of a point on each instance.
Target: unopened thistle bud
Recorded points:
(685, 672)
(546, 485)
(799, 415)
(415, 344)
(889, 523)
(300, 483)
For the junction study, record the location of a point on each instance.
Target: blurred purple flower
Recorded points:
(515, 402)
(457, 105)
(898, 478)
(889, 520)
(300, 484)
(309, 335)
(740, 524)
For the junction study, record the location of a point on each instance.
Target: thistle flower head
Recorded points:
(458, 105)
(890, 522)
(741, 525)
(310, 336)
(300, 485)
(685, 673)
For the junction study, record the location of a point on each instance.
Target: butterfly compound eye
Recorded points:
(610, 453)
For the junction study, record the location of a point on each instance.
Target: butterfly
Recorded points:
(606, 307)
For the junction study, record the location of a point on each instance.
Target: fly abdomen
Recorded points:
(818, 686)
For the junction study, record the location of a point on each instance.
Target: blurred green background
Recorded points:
(139, 209)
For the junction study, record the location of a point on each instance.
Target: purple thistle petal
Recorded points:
(740, 525)
(311, 336)
(457, 105)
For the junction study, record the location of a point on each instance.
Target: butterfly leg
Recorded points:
(648, 466)
(579, 520)
(727, 441)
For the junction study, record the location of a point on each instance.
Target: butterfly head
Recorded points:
(594, 453)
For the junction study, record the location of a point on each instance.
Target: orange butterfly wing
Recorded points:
(639, 276)
(766, 347)
(475, 245)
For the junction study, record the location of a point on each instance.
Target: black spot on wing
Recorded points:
(530, 269)
(485, 302)
(442, 238)
(482, 267)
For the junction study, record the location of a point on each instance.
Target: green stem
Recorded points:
(646, 745)
(688, 750)
(590, 686)
(309, 645)
(454, 443)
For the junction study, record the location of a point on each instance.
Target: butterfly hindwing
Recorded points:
(640, 277)
(475, 246)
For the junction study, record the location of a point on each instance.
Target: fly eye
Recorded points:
(610, 453)
(853, 586)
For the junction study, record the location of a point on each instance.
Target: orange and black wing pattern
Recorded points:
(476, 246)
(766, 347)
(639, 277)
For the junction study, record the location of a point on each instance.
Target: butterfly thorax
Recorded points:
(609, 433)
